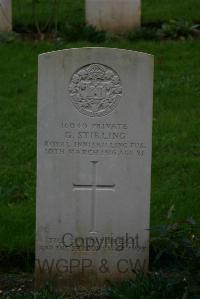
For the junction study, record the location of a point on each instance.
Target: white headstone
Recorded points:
(114, 15)
(5, 15)
(93, 165)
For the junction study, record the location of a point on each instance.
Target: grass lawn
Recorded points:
(72, 11)
(163, 10)
(176, 145)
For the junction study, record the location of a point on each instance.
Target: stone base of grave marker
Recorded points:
(113, 15)
(5, 15)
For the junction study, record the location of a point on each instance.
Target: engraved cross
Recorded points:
(93, 187)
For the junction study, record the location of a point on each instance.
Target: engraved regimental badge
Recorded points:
(95, 90)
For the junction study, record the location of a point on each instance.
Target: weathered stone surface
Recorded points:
(114, 15)
(5, 15)
(93, 165)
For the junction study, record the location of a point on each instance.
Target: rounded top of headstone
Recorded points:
(96, 49)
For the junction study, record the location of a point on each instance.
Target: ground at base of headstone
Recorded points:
(21, 286)
(14, 283)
